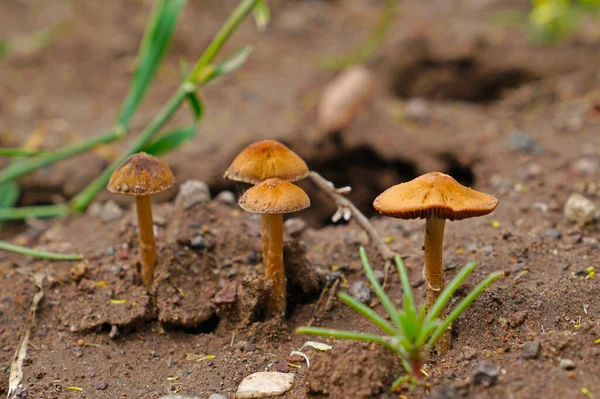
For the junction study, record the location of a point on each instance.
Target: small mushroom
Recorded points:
(264, 160)
(142, 175)
(272, 198)
(435, 197)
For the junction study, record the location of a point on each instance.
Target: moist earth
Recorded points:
(510, 119)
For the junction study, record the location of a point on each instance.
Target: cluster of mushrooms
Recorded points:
(271, 168)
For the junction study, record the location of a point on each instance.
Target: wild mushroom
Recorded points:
(142, 175)
(272, 198)
(435, 197)
(265, 160)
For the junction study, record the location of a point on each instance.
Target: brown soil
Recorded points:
(486, 89)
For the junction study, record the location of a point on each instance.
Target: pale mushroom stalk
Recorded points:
(274, 264)
(146, 238)
(433, 272)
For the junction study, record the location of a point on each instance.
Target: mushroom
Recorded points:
(435, 197)
(272, 198)
(265, 160)
(142, 175)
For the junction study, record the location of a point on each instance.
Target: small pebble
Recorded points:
(360, 291)
(444, 392)
(556, 234)
(226, 197)
(531, 349)
(469, 353)
(264, 384)
(567, 364)
(525, 144)
(101, 386)
(295, 226)
(192, 192)
(517, 318)
(198, 242)
(417, 110)
(217, 396)
(110, 251)
(109, 212)
(485, 374)
(379, 276)
(585, 166)
(579, 209)
(78, 271)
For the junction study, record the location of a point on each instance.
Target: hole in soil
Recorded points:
(207, 327)
(464, 79)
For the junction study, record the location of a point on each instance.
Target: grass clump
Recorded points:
(412, 332)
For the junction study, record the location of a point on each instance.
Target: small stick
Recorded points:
(346, 209)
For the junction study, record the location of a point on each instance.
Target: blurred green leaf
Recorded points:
(196, 105)
(262, 15)
(20, 152)
(227, 66)
(9, 195)
(170, 140)
(152, 50)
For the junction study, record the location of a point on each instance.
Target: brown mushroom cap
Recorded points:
(141, 174)
(264, 160)
(274, 196)
(434, 195)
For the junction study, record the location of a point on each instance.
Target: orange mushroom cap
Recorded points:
(141, 174)
(274, 196)
(264, 160)
(434, 195)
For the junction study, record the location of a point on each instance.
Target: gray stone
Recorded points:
(217, 396)
(579, 209)
(198, 242)
(531, 349)
(379, 276)
(226, 197)
(553, 233)
(525, 144)
(567, 364)
(264, 384)
(192, 192)
(485, 374)
(109, 212)
(295, 226)
(360, 291)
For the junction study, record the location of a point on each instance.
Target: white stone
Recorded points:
(264, 384)
(579, 209)
(110, 211)
(343, 98)
(192, 192)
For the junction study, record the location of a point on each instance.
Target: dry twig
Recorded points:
(346, 209)
(16, 366)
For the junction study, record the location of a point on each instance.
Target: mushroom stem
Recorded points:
(274, 265)
(433, 272)
(264, 234)
(146, 238)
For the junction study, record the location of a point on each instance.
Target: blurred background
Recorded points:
(428, 85)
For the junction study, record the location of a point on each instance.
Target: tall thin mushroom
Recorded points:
(142, 175)
(272, 198)
(435, 197)
(264, 160)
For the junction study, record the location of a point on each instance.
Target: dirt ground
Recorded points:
(511, 119)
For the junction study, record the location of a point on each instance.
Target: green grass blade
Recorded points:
(170, 140)
(352, 335)
(409, 320)
(262, 15)
(152, 50)
(383, 298)
(20, 152)
(235, 19)
(447, 293)
(368, 313)
(227, 66)
(42, 211)
(6, 246)
(460, 308)
(9, 195)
